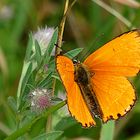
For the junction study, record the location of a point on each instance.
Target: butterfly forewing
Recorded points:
(75, 101)
(121, 56)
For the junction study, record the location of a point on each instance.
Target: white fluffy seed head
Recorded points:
(43, 37)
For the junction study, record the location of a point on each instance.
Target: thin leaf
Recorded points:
(55, 75)
(45, 81)
(56, 99)
(38, 53)
(64, 123)
(71, 54)
(26, 72)
(12, 103)
(29, 48)
(49, 136)
(53, 41)
(47, 54)
(26, 77)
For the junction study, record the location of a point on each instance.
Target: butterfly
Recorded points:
(99, 87)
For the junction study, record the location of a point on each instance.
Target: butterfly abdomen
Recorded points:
(82, 78)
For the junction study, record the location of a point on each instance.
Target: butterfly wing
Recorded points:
(75, 101)
(115, 95)
(121, 56)
(116, 59)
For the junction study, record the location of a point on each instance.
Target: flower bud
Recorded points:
(40, 100)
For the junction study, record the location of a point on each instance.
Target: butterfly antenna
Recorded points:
(92, 46)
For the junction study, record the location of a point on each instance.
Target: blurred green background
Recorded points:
(88, 26)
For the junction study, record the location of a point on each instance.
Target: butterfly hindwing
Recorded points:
(115, 95)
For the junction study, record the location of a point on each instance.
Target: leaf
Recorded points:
(71, 54)
(29, 48)
(49, 136)
(55, 98)
(38, 53)
(37, 128)
(46, 81)
(26, 72)
(55, 75)
(12, 103)
(65, 123)
(26, 77)
(53, 41)
(47, 54)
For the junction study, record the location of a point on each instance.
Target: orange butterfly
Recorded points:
(98, 86)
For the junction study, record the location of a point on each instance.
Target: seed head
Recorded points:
(43, 36)
(40, 100)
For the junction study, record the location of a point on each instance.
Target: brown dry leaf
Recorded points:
(130, 3)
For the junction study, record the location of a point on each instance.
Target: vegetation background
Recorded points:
(90, 24)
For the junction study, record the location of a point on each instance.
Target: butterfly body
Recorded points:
(85, 87)
(99, 86)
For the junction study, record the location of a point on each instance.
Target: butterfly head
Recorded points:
(75, 62)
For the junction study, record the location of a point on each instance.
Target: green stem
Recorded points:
(27, 127)
(107, 131)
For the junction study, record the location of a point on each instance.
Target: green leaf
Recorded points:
(55, 98)
(65, 123)
(46, 81)
(53, 41)
(29, 48)
(47, 54)
(49, 136)
(26, 77)
(12, 103)
(107, 131)
(36, 129)
(55, 75)
(38, 53)
(26, 72)
(71, 54)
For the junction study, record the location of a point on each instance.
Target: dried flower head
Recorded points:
(43, 36)
(40, 100)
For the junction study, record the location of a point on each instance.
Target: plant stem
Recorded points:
(107, 131)
(62, 24)
(61, 28)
